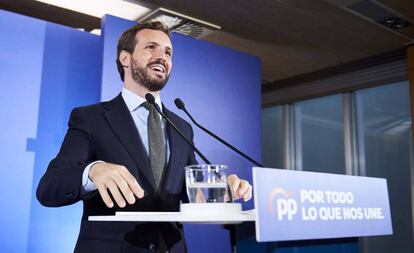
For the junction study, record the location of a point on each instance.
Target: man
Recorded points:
(121, 156)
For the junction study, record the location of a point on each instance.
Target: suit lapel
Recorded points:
(121, 122)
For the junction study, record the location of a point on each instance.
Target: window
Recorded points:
(319, 135)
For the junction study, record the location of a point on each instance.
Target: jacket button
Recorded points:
(69, 195)
(152, 247)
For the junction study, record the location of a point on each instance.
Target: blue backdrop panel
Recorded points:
(21, 53)
(46, 70)
(221, 87)
(70, 77)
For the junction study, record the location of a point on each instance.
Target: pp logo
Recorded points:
(281, 204)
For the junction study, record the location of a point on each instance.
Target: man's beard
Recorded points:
(141, 76)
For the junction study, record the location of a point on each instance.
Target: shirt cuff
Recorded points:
(87, 183)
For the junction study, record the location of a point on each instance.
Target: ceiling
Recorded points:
(291, 37)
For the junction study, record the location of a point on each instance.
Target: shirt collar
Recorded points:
(133, 101)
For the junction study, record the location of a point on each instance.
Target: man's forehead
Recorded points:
(148, 35)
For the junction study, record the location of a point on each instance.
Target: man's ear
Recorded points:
(125, 58)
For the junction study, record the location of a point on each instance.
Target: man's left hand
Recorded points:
(240, 188)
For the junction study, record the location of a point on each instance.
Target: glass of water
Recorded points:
(206, 183)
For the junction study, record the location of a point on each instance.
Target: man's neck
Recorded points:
(139, 89)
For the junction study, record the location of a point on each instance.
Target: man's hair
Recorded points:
(127, 41)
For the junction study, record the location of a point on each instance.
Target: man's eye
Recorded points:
(151, 47)
(168, 53)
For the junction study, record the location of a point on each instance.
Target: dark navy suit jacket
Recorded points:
(106, 132)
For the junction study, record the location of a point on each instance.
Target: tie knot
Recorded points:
(147, 106)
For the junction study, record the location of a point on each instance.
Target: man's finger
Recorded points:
(132, 182)
(125, 190)
(248, 194)
(234, 182)
(116, 194)
(243, 187)
(105, 196)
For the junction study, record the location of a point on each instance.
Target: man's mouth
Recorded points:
(157, 67)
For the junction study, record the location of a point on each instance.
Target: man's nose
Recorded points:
(161, 55)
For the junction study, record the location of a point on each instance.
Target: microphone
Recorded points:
(150, 99)
(180, 105)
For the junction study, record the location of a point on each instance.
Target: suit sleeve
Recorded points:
(62, 182)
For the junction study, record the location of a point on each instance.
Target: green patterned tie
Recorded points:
(156, 142)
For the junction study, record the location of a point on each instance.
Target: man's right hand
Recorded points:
(118, 180)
